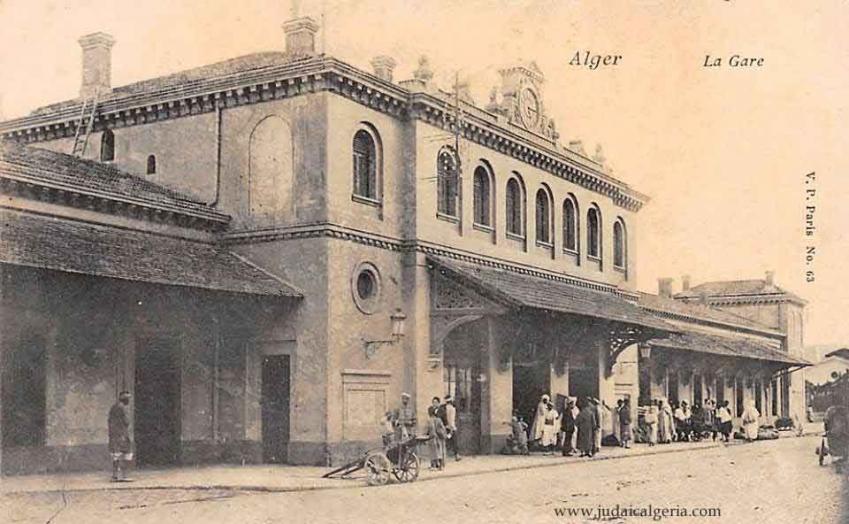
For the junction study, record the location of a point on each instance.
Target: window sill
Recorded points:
(594, 258)
(514, 236)
(570, 252)
(546, 245)
(447, 218)
(483, 227)
(366, 200)
(620, 269)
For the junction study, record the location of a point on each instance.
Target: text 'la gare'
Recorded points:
(734, 61)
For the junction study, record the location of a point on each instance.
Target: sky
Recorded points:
(722, 152)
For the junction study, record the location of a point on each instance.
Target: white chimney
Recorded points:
(770, 278)
(300, 36)
(383, 67)
(685, 283)
(97, 64)
(664, 287)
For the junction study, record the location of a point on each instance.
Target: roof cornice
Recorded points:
(319, 74)
(733, 300)
(714, 323)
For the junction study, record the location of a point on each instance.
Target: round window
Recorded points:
(365, 287)
(366, 284)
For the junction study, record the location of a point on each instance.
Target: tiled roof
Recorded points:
(539, 293)
(736, 288)
(183, 79)
(71, 173)
(726, 345)
(77, 247)
(700, 312)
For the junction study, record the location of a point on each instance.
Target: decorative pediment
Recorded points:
(448, 296)
(522, 101)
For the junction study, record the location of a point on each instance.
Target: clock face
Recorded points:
(529, 107)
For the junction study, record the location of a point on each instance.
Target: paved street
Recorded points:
(777, 481)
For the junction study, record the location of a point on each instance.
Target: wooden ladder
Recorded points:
(80, 138)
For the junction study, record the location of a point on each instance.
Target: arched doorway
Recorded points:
(463, 372)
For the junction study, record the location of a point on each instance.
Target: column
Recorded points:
(606, 387)
(496, 393)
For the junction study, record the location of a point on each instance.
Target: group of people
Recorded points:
(400, 425)
(575, 431)
(667, 422)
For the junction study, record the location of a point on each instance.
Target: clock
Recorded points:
(529, 109)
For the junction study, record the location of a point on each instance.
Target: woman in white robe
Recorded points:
(551, 423)
(749, 418)
(539, 419)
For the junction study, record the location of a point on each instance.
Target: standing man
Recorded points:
(405, 419)
(450, 419)
(120, 445)
(567, 424)
(598, 423)
(625, 423)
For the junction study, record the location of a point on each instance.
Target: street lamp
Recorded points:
(645, 351)
(398, 320)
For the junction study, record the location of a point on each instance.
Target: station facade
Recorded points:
(269, 250)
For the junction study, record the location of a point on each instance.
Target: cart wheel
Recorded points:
(409, 470)
(377, 468)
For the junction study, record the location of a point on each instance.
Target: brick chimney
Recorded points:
(97, 64)
(664, 287)
(300, 37)
(383, 67)
(685, 283)
(770, 278)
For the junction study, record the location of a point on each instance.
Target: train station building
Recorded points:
(267, 251)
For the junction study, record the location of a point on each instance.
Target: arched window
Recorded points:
(365, 165)
(446, 176)
(107, 146)
(570, 224)
(620, 253)
(594, 232)
(270, 169)
(543, 217)
(151, 164)
(515, 213)
(483, 197)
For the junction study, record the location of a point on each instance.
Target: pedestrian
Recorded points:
(551, 422)
(723, 415)
(709, 418)
(680, 422)
(567, 425)
(625, 423)
(664, 422)
(617, 430)
(388, 425)
(599, 423)
(517, 442)
(539, 420)
(651, 418)
(120, 445)
(586, 422)
(437, 433)
(750, 421)
(405, 419)
(450, 420)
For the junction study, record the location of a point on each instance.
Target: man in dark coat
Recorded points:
(567, 425)
(625, 423)
(586, 423)
(120, 445)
